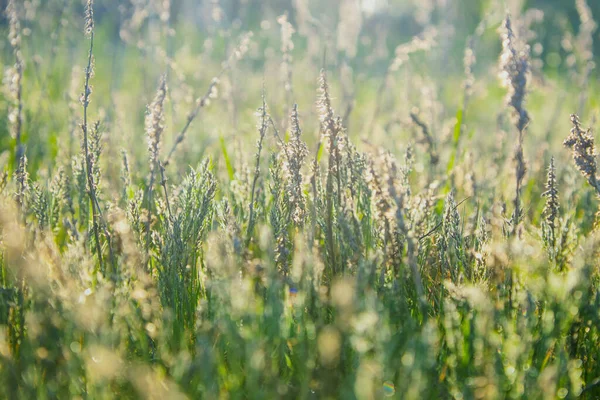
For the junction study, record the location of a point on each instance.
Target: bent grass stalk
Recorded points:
(211, 93)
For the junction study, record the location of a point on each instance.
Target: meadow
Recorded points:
(241, 199)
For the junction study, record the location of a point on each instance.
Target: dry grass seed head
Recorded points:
(514, 70)
(89, 17)
(551, 194)
(154, 121)
(582, 146)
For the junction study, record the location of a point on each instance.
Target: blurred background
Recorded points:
(387, 22)
(372, 48)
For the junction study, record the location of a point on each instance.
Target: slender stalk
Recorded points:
(107, 234)
(262, 131)
(514, 67)
(20, 151)
(427, 137)
(211, 93)
(411, 243)
(331, 128)
(88, 161)
(149, 216)
(329, 205)
(16, 86)
(200, 103)
(163, 183)
(154, 129)
(313, 182)
(520, 173)
(469, 61)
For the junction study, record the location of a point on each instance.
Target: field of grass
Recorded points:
(312, 200)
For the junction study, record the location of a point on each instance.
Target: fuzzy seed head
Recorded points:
(582, 146)
(14, 32)
(451, 223)
(296, 151)
(89, 17)
(326, 114)
(425, 41)
(514, 71)
(155, 121)
(551, 194)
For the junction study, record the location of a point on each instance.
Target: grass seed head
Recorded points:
(155, 121)
(581, 143)
(514, 70)
(89, 17)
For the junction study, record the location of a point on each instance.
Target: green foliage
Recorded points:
(377, 234)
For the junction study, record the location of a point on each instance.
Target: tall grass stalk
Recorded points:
(87, 91)
(154, 129)
(262, 132)
(331, 129)
(16, 81)
(514, 65)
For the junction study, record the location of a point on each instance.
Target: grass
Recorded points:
(407, 224)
